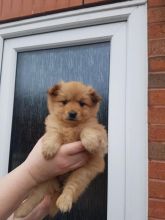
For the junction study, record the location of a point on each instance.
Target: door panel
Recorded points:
(36, 72)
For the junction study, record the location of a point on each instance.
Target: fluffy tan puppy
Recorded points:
(73, 109)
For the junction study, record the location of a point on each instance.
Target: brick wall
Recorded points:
(156, 51)
(17, 9)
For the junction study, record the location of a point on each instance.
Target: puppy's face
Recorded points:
(73, 102)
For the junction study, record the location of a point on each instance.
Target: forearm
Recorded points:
(14, 188)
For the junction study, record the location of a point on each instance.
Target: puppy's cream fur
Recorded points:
(73, 109)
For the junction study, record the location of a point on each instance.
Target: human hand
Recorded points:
(38, 213)
(69, 157)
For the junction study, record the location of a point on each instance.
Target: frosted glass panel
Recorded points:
(36, 72)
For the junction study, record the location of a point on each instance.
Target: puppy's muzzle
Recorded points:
(72, 115)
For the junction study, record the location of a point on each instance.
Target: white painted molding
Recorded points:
(136, 116)
(1, 52)
(121, 24)
(117, 143)
(77, 18)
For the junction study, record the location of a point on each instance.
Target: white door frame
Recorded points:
(125, 26)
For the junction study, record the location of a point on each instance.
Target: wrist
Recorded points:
(27, 175)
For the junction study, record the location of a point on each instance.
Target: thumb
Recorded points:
(40, 211)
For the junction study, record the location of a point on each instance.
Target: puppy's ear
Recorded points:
(54, 90)
(95, 97)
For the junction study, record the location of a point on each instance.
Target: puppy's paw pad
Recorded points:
(64, 203)
(48, 156)
(48, 153)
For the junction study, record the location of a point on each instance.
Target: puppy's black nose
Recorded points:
(72, 115)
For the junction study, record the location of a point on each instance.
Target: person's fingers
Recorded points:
(78, 165)
(43, 209)
(11, 217)
(45, 204)
(78, 160)
(72, 148)
(40, 211)
(73, 162)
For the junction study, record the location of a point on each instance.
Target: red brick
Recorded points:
(6, 8)
(27, 7)
(156, 30)
(63, 4)
(0, 8)
(154, 218)
(157, 189)
(156, 97)
(156, 47)
(156, 133)
(157, 169)
(156, 64)
(92, 1)
(16, 8)
(38, 6)
(49, 5)
(154, 3)
(75, 3)
(157, 208)
(156, 80)
(156, 14)
(31, 7)
(156, 151)
(41, 6)
(157, 115)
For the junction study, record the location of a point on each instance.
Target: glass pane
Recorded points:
(36, 72)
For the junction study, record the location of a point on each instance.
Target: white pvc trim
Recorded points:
(77, 13)
(127, 174)
(117, 144)
(136, 116)
(71, 19)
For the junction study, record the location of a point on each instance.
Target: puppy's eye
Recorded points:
(64, 102)
(81, 103)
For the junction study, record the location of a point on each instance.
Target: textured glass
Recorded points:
(36, 72)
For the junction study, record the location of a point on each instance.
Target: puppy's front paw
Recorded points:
(90, 144)
(91, 141)
(64, 202)
(48, 152)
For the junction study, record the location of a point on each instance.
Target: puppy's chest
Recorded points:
(71, 134)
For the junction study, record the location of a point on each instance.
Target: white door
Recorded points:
(117, 56)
